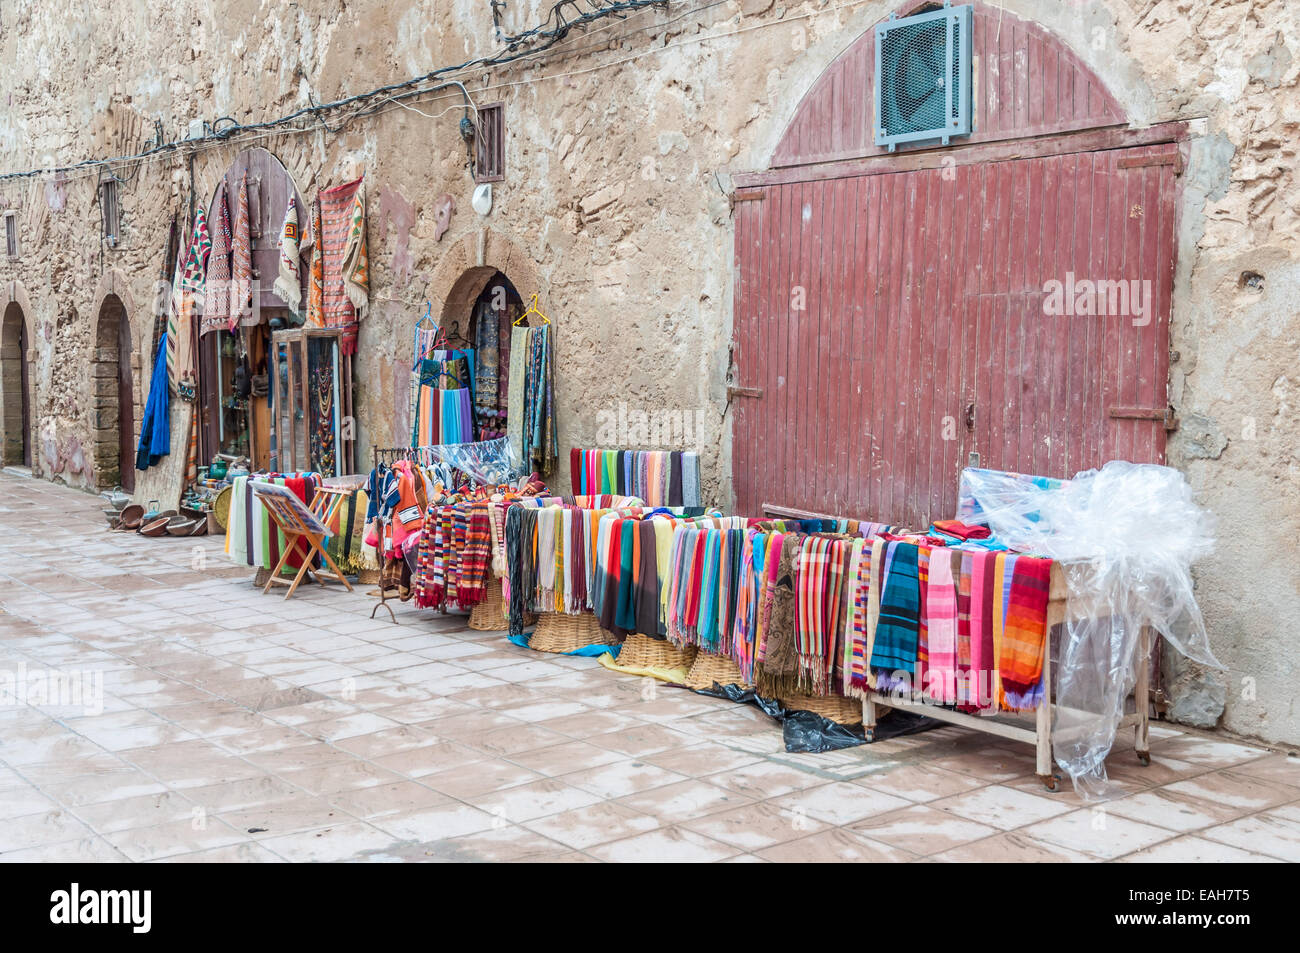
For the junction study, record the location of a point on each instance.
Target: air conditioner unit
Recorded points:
(923, 77)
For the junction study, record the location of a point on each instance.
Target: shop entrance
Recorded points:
(472, 353)
(114, 424)
(15, 396)
(235, 398)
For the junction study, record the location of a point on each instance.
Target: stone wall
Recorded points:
(615, 209)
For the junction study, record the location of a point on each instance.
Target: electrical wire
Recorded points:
(244, 135)
(553, 30)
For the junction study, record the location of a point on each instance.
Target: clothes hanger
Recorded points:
(532, 309)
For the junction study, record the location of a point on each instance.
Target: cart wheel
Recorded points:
(1049, 781)
(871, 735)
(1145, 758)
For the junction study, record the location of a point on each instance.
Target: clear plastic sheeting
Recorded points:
(486, 463)
(1126, 536)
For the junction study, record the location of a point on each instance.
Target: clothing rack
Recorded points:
(1013, 725)
(389, 456)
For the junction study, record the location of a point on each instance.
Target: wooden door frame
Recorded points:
(1093, 140)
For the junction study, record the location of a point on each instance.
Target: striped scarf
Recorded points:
(941, 618)
(819, 578)
(894, 649)
(856, 649)
(1024, 635)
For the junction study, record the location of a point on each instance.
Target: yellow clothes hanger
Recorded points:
(532, 309)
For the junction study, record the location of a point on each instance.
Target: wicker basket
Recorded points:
(561, 632)
(709, 668)
(641, 651)
(368, 577)
(490, 614)
(836, 708)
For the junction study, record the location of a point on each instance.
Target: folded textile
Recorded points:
(960, 530)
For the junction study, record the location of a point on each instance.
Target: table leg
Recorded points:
(1142, 698)
(869, 718)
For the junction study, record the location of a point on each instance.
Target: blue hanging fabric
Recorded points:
(155, 429)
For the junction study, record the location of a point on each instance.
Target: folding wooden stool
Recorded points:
(297, 522)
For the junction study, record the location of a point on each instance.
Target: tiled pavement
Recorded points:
(237, 726)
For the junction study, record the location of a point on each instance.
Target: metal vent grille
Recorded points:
(110, 211)
(923, 77)
(490, 144)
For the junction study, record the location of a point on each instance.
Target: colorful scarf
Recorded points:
(856, 650)
(941, 623)
(1024, 635)
(894, 651)
(819, 581)
(519, 353)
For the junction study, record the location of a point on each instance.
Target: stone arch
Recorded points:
(113, 401)
(17, 378)
(470, 263)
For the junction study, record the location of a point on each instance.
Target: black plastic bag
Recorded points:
(806, 731)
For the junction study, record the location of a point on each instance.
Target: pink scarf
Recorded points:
(941, 613)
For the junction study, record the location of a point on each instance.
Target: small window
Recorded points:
(11, 234)
(110, 212)
(490, 144)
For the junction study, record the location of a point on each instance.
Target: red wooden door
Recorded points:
(895, 324)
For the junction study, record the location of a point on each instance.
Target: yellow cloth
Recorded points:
(676, 676)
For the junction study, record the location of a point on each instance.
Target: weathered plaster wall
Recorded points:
(614, 208)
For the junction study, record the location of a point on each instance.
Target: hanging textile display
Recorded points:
(436, 542)
(487, 350)
(323, 410)
(444, 409)
(316, 276)
(189, 291)
(519, 354)
(241, 257)
(216, 295)
(345, 266)
(155, 429)
(660, 477)
(288, 285)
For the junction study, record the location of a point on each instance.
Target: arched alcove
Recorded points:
(15, 388)
(113, 397)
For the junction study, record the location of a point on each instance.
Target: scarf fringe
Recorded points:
(1024, 701)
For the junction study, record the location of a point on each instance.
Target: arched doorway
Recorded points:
(235, 401)
(476, 323)
(15, 392)
(899, 316)
(114, 424)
